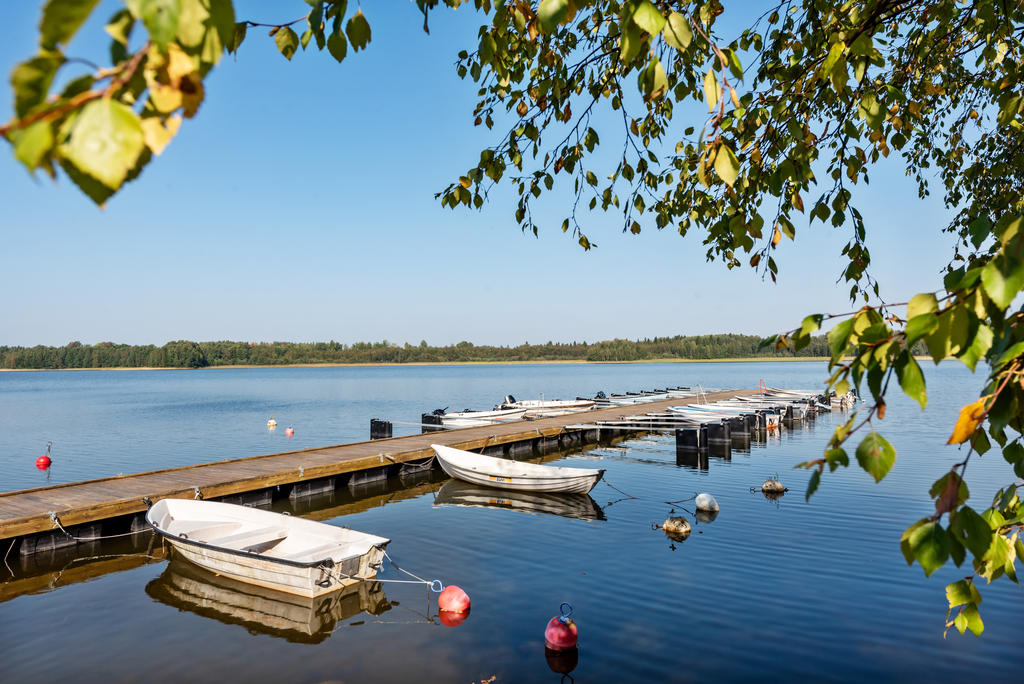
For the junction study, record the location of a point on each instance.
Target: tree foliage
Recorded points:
(782, 121)
(186, 354)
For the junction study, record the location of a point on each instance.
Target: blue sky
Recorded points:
(298, 205)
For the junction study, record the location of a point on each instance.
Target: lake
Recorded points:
(772, 590)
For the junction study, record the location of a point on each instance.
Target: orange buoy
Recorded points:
(289, 431)
(453, 600)
(561, 633)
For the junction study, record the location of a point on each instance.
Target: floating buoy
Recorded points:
(271, 424)
(773, 487)
(706, 502)
(676, 528)
(561, 633)
(289, 431)
(453, 600)
(44, 461)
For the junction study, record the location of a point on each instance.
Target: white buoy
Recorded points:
(706, 502)
(773, 487)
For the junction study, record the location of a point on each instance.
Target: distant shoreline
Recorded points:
(752, 359)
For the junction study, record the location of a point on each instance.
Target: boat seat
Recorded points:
(250, 538)
(203, 529)
(307, 555)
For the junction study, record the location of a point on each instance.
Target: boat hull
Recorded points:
(507, 474)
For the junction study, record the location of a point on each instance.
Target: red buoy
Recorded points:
(561, 633)
(453, 600)
(289, 431)
(43, 462)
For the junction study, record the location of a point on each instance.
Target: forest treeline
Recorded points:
(187, 354)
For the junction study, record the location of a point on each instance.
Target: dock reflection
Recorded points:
(186, 586)
(579, 506)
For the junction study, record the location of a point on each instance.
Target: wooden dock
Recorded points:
(31, 511)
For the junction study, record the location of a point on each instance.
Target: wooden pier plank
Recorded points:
(28, 511)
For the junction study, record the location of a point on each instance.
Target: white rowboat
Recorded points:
(473, 418)
(267, 549)
(553, 407)
(507, 474)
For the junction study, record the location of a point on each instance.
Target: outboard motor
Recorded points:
(600, 395)
(439, 412)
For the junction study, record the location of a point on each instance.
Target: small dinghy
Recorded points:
(474, 418)
(507, 474)
(267, 549)
(537, 408)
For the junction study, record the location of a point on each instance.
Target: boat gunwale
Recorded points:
(259, 556)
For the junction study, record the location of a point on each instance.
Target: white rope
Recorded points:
(56, 521)
(435, 585)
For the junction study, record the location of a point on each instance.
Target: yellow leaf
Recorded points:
(465, 182)
(735, 97)
(776, 236)
(156, 134)
(969, 420)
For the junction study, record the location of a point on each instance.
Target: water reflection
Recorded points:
(186, 586)
(458, 493)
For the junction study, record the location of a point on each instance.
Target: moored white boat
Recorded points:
(548, 407)
(508, 474)
(267, 549)
(473, 418)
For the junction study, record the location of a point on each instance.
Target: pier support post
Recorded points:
(380, 429)
(692, 439)
(719, 433)
(302, 490)
(429, 420)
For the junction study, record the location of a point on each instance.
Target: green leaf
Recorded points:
(32, 144)
(905, 548)
(920, 326)
(922, 304)
(911, 378)
(241, 28)
(980, 345)
(647, 17)
(62, 19)
(206, 28)
(119, 28)
(632, 40)
(871, 111)
(160, 17)
(358, 31)
(812, 484)
(836, 458)
(962, 592)
(550, 13)
(972, 530)
(973, 620)
(727, 166)
(1003, 279)
(678, 33)
(653, 81)
(930, 547)
(712, 90)
(337, 45)
(835, 53)
(875, 455)
(839, 337)
(287, 41)
(31, 81)
(104, 141)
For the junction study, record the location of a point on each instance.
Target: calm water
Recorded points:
(773, 590)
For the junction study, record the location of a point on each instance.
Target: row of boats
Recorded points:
(310, 559)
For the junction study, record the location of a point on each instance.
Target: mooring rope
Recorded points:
(435, 586)
(56, 521)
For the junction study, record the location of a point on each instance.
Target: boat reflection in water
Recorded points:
(186, 586)
(459, 493)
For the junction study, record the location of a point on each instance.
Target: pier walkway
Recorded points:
(28, 511)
